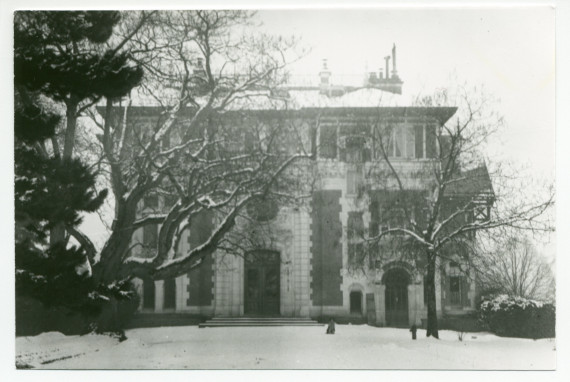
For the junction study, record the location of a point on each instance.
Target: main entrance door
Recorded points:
(262, 283)
(396, 281)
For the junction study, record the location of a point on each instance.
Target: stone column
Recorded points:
(380, 296)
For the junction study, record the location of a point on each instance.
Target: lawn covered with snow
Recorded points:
(352, 347)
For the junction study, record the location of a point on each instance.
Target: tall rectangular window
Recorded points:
(354, 235)
(455, 290)
(150, 235)
(354, 179)
(454, 280)
(398, 141)
(328, 142)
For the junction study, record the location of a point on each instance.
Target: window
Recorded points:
(454, 280)
(455, 290)
(424, 142)
(398, 143)
(151, 201)
(262, 209)
(354, 236)
(394, 217)
(355, 149)
(353, 180)
(328, 142)
(150, 235)
(170, 199)
(405, 142)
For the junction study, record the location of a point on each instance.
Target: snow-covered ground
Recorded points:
(352, 347)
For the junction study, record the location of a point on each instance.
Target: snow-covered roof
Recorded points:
(304, 98)
(289, 98)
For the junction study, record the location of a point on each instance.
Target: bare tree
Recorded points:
(432, 210)
(194, 151)
(514, 267)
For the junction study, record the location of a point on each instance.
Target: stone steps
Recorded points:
(153, 320)
(218, 322)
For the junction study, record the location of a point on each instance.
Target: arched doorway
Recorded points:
(396, 281)
(262, 283)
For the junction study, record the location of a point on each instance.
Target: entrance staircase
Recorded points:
(218, 322)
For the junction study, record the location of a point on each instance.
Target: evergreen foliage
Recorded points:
(58, 58)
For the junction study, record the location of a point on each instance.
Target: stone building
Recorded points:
(306, 270)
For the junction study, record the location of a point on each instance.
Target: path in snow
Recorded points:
(352, 347)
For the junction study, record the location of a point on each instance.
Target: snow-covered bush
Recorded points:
(518, 317)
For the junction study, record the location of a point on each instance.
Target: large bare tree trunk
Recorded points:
(57, 233)
(110, 264)
(432, 327)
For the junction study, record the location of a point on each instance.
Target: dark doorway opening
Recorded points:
(356, 302)
(396, 297)
(169, 294)
(262, 283)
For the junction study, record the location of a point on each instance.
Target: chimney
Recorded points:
(381, 75)
(325, 76)
(387, 58)
(199, 68)
(394, 70)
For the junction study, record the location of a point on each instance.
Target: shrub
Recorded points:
(518, 317)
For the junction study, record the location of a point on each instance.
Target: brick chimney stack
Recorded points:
(394, 70)
(386, 81)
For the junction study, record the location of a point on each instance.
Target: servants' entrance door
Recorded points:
(396, 281)
(261, 276)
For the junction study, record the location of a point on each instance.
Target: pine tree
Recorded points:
(59, 60)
